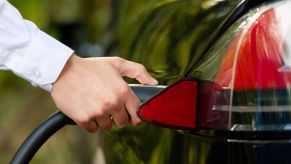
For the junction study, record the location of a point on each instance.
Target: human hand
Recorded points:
(91, 91)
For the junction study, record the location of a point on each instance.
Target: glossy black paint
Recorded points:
(169, 38)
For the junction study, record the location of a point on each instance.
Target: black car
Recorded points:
(227, 66)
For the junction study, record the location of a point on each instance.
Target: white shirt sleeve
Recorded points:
(27, 51)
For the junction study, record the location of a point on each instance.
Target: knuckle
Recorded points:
(99, 113)
(83, 120)
(96, 109)
(141, 68)
(118, 60)
(109, 102)
(123, 90)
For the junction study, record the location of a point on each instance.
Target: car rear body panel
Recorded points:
(169, 37)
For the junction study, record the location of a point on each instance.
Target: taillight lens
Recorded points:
(259, 61)
(242, 83)
(175, 107)
(186, 105)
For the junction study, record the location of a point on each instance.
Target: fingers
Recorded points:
(120, 117)
(132, 103)
(107, 111)
(122, 109)
(90, 126)
(91, 91)
(135, 70)
(105, 123)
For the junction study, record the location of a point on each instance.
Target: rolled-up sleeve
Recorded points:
(29, 52)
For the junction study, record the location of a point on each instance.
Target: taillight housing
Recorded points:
(242, 84)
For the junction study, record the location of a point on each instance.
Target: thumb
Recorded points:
(137, 71)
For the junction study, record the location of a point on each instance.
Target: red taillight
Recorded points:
(248, 88)
(259, 57)
(175, 107)
(187, 104)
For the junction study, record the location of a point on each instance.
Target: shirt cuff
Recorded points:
(41, 62)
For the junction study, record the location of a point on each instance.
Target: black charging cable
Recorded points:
(39, 136)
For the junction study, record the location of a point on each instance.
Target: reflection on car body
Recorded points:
(234, 55)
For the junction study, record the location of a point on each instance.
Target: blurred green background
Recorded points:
(81, 24)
